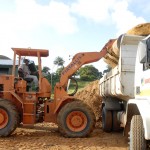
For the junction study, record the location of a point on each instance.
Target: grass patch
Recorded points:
(81, 85)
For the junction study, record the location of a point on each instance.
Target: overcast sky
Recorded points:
(66, 27)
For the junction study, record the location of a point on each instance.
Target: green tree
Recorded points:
(108, 68)
(55, 76)
(59, 70)
(46, 69)
(89, 73)
(59, 61)
(46, 73)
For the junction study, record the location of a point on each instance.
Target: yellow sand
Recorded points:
(141, 29)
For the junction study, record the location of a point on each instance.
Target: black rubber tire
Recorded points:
(106, 120)
(76, 86)
(116, 123)
(13, 117)
(66, 110)
(137, 140)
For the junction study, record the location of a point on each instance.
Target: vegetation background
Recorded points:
(83, 76)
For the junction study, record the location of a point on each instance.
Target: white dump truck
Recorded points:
(126, 91)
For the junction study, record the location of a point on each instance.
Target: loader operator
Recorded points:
(27, 73)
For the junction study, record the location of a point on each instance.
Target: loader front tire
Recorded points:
(9, 118)
(76, 119)
(137, 140)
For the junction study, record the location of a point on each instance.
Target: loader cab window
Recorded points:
(144, 52)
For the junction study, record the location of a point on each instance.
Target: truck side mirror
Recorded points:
(144, 50)
(148, 49)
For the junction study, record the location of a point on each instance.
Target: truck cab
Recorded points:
(140, 105)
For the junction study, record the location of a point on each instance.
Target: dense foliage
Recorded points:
(89, 73)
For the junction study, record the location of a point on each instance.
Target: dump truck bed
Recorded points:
(119, 82)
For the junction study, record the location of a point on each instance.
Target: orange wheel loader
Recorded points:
(19, 105)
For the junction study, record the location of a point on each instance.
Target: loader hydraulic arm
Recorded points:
(83, 58)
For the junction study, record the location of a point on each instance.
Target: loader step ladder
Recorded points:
(29, 109)
(29, 113)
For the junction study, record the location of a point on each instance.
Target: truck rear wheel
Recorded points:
(76, 119)
(9, 118)
(137, 140)
(106, 120)
(116, 123)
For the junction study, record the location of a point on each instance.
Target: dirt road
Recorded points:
(47, 137)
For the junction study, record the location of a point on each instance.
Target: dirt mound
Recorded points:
(141, 29)
(90, 95)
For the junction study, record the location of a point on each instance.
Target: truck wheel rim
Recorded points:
(3, 118)
(76, 121)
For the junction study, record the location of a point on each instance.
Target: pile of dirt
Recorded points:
(90, 95)
(141, 29)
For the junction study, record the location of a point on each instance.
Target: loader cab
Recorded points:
(24, 84)
(32, 68)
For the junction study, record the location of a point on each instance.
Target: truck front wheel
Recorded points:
(76, 119)
(9, 118)
(137, 140)
(106, 120)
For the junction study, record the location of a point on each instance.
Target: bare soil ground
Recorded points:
(46, 137)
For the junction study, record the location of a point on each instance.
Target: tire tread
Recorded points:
(75, 105)
(137, 140)
(13, 115)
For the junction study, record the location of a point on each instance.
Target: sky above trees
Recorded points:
(67, 27)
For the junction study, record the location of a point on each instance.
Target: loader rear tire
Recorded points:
(9, 118)
(106, 120)
(137, 140)
(76, 119)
